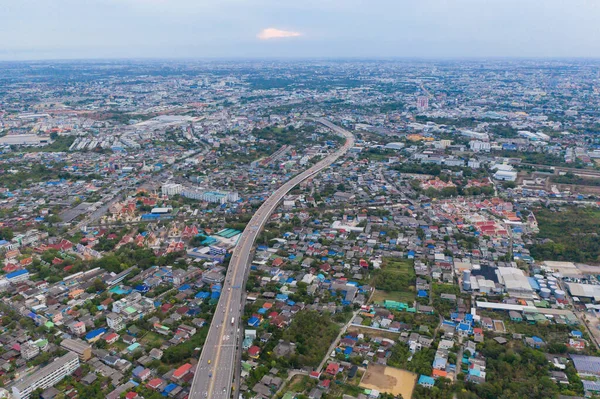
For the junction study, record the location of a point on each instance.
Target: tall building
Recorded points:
(29, 350)
(423, 103)
(115, 321)
(47, 376)
(172, 189)
(81, 348)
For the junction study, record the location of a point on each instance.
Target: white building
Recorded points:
(505, 175)
(474, 164)
(115, 321)
(47, 376)
(475, 135)
(29, 350)
(479, 146)
(515, 282)
(171, 189)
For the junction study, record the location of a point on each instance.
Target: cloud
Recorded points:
(273, 33)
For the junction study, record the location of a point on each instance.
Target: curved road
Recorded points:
(214, 371)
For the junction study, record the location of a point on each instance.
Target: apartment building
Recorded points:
(47, 376)
(115, 321)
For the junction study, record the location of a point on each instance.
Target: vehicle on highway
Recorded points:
(232, 320)
(208, 361)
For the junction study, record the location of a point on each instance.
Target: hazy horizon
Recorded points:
(311, 29)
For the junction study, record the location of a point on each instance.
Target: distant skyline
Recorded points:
(76, 29)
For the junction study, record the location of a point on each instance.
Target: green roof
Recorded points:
(133, 346)
(246, 366)
(130, 310)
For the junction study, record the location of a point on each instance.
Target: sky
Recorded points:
(83, 29)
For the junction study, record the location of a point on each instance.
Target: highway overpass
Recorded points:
(214, 371)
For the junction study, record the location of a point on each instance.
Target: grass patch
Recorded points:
(119, 346)
(396, 277)
(312, 333)
(571, 233)
(153, 338)
(398, 296)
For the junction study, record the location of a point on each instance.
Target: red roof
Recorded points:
(111, 336)
(182, 310)
(131, 395)
(254, 351)
(333, 368)
(183, 370)
(155, 383)
(278, 262)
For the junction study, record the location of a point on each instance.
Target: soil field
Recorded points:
(389, 380)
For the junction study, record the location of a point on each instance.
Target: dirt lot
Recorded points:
(389, 380)
(499, 326)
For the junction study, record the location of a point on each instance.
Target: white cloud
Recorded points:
(273, 33)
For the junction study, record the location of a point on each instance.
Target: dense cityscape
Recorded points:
(300, 229)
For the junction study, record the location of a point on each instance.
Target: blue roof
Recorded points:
(17, 273)
(533, 283)
(142, 288)
(193, 312)
(262, 311)
(439, 361)
(253, 321)
(422, 294)
(95, 333)
(136, 371)
(184, 287)
(348, 350)
(170, 387)
(426, 380)
(203, 294)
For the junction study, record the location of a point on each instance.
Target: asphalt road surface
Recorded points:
(214, 372)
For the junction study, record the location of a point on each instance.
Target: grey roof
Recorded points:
(586, 364)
